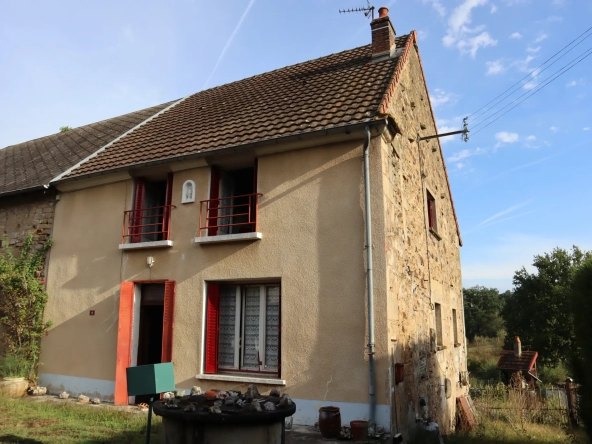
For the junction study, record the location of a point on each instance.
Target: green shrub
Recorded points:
(14, 365)
(552, 375)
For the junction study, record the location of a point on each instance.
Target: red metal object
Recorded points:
(146, 222)
(211, 342)
(168, 321)
(209, 214)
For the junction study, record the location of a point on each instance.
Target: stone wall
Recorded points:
(26, 213)
(423, 266)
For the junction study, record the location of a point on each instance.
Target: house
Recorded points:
(518, 366)
(228, 233)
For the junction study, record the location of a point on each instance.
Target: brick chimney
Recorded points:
(383, 36)
(517, 347)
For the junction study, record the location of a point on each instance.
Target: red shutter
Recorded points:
(254, 206)
(137, 216)
(124, 341)
(213, 308)
(167, 321)
(213, 204)
(167, 209)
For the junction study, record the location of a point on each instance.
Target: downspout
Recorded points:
(370, 281)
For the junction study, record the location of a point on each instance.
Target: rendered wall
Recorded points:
(422, 269)
(312, 220)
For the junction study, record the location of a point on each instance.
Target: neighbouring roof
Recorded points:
(30, 165)
(509, 361)
(336, 90)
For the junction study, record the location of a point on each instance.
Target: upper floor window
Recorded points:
(150, 216)
(431, 202)
(455, 328)
(233, 204)
(439, 337)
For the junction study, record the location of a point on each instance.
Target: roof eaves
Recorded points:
(104, 147)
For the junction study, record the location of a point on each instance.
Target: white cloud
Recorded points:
(459, 35)
(540, 38)
(554, 129)
(530, 85)
(495, 67)
(493, 9)
(422, 35)
(438, 6)
(505, 137)
(533, 50)
(575, 83)
(466, 153)
(587, 128)
(441, 97)
(460, 165)
(531, 138)
(516, 36)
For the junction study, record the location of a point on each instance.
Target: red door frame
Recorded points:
(124, 333)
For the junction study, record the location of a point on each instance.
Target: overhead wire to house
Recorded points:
(565, 69)
(533, 74)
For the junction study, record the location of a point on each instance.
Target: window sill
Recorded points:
(458, 344)
(143, 245)
(440, 347)
(242, 379)
(435, 233)
(204, 240)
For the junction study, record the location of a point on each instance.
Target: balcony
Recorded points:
(229, 219)
(146, 228)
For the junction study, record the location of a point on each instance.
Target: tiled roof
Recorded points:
(33, 164)
(508, 361)
(336, 90)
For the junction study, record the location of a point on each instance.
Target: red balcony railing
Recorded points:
(147, 224)
(229, 215)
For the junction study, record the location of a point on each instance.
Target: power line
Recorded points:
(519, 82)
(583, 56)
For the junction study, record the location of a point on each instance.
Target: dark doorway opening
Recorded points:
(150, 329)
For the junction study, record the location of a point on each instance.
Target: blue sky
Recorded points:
(520, 185)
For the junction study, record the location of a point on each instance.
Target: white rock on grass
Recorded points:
(64, 395)
(37, 391)
(95, 401)
(83, 398)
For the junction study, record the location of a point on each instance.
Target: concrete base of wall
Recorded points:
(93, 388)
(307, 411)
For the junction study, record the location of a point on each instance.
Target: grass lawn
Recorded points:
(502, 432)
(68, 422)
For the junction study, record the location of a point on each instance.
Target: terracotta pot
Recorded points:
(14, 387)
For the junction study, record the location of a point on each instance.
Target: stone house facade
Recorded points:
(226, 234)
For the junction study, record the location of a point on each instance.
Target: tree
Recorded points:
(581, 304)
(482, 312)
(539, 311)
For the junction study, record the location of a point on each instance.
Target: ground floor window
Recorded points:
(243, 328)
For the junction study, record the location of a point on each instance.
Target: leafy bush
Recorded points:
(552, 375)
(14, 366)
(22, 301)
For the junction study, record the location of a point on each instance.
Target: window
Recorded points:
(149, 220)
(232, 207)
(454, 328)
(243, 329)
(439, 340)
(431, 212)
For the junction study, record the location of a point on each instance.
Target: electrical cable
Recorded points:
(519, 82)
(514, 101)
(536, 90)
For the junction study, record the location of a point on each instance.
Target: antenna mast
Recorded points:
(366, 10)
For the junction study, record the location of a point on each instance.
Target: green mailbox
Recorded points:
(150, 379)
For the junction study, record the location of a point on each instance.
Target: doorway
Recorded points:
(150, 328)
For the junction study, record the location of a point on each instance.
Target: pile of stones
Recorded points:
(220, 401)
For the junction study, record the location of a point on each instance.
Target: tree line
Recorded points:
(550, 310)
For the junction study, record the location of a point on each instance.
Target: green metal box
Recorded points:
(150, 379)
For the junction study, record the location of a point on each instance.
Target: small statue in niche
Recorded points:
(188, 192)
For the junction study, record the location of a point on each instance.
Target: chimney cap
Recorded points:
(516, 339)
(383, 12)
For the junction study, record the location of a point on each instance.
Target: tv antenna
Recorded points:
(367, 10)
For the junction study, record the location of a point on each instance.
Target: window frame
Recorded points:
(439, 330)
(431, 212)
(239, 367)
(455, 328)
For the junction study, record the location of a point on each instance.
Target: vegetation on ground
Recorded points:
(69, 422)
(581, 303)
(483, 307)
(22, 301)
